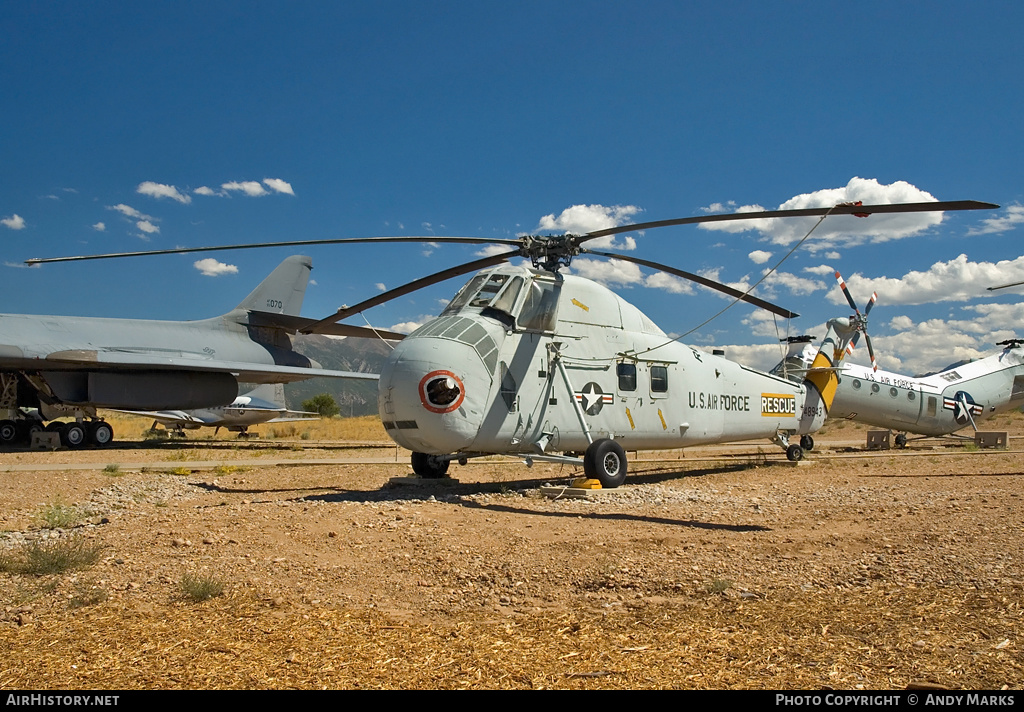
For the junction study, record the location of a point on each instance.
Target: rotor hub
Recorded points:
(550, 252)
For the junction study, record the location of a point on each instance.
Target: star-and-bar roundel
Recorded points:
(593, 399)
(961, 404)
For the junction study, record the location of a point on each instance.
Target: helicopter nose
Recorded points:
(431, 395)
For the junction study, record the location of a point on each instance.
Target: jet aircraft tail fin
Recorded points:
(270, 393)
(283, 290)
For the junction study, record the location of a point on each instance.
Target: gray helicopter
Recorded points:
(534, 363)
(63, 366)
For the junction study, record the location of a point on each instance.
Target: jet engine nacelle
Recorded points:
(143, 390)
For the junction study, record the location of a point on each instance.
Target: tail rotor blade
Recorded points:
(871, 303)
(871, 351)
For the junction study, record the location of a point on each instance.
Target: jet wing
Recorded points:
(291, 419)
(166, 417)
(244, 371)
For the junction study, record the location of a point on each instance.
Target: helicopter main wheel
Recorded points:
(901, 440)
(100, 433)
(8, 432)
(73, 435)
(806, 442)
(794, 453)
(605, 461)
(430, 467)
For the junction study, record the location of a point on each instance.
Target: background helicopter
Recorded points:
(533, 362)
(934, 405)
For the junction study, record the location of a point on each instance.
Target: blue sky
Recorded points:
(138, 126)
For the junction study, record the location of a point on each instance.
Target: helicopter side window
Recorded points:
(659, 379)
(540, 306)
(1018, 388)
(627, 376)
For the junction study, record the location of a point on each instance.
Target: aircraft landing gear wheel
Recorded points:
(605, 461)
(73, 435)
(27, 427)
(429, 467)
(8, 432)
(100, 433)
(901, 440)
(794, 453)
(806, 442)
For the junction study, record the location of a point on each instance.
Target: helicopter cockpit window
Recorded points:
(467, 291)
(540, 308)
(489, 290)
(506, 300)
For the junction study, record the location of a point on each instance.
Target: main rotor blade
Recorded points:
(859, 210)
(387, 296)
(710, 283)
(1005, 286)
(291, 243)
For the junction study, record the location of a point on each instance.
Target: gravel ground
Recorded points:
(706, 570)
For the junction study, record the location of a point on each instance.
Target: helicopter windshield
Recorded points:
(499, 295)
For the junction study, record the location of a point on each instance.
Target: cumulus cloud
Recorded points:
(100, 227)
(252, 188)
(407, 327)
(841, 229)
(933, 344)
(14, 222)
(1012, 217)
(380, 287)
(279, 186)
(792, 283)
(823, 270)
(129, 211)
(759, 257)
(212, 268)
(958, 280)
(160, 190)
(581, 219)
(145, 223)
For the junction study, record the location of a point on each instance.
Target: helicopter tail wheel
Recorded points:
(605, 461)
(806, 442)
(794, 453)
(430, 467)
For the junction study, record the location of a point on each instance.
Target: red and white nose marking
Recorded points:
(441, 391)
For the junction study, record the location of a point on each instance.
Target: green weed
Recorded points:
(200, 587)
(56, 556)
